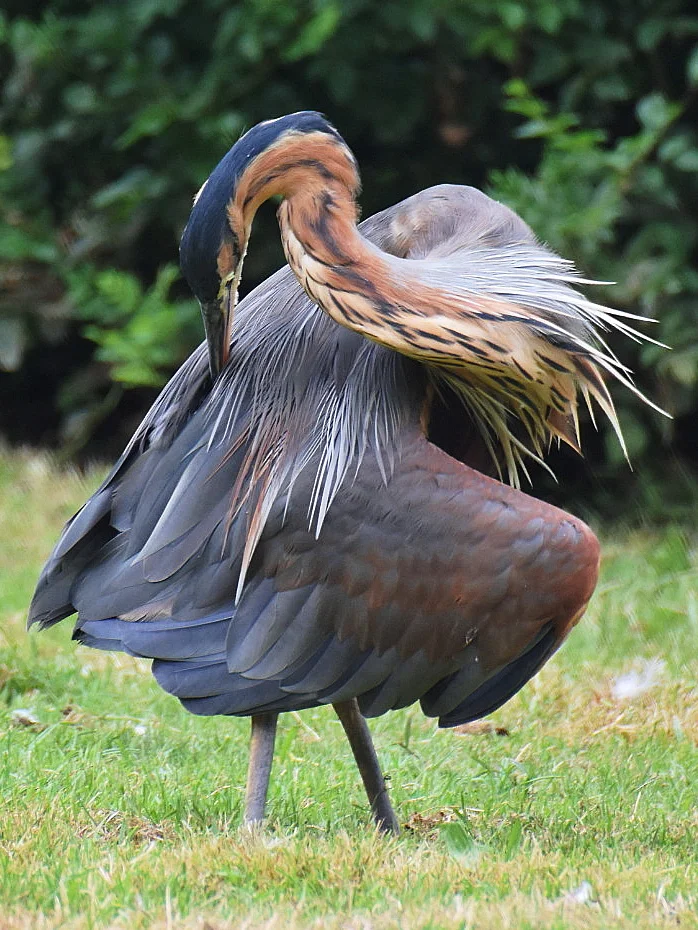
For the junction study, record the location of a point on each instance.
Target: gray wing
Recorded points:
(428, 580)
(441, 585)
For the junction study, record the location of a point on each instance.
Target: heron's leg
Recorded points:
(259, 767)
(361, 743)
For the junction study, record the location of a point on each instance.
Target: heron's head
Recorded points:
(300, 152)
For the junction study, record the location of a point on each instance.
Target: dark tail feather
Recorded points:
(505, 683)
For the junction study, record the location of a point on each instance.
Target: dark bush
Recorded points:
(581, 114)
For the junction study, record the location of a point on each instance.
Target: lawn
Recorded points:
(575, 805)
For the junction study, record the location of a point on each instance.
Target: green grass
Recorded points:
(120, 810)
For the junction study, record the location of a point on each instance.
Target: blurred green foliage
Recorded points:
(580, 114)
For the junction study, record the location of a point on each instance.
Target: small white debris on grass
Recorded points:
(582, 894)
(139, 729)
(632, 684)
(21, 717)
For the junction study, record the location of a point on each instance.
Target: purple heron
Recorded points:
(323, 504)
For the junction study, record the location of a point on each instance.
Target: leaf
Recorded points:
(314, 35)
(132, 188)
(651, 32)
(461, 844)
(513, 839)
(152, 120)
(654, 111)
(13, 340)
(687, 161)
(683, 367)
(513, 15)
(122, 290)
(516, 87)
(423, 22)
(17, 243)
(5, 153)
(692, 67)
(81, 98)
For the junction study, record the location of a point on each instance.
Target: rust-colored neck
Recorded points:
(481, 340)
(343, 273)
(305, 165)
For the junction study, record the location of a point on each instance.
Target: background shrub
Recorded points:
(580, 114)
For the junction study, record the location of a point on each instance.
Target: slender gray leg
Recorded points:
(259, 767)
(359, 737)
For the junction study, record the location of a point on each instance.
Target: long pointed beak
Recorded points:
(218, 318)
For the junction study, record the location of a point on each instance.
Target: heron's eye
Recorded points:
(226, 283)
(229, 259)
